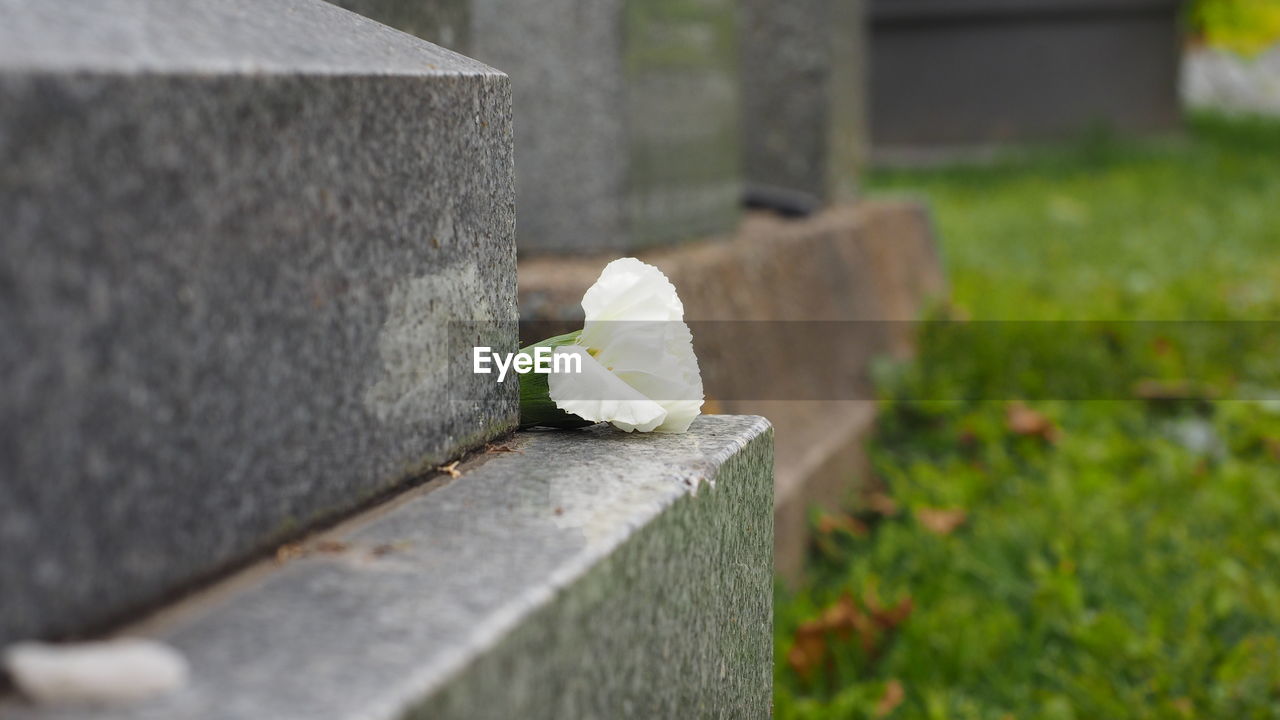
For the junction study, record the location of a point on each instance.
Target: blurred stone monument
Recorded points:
(951, 80)
(804, 100)
(628, 122)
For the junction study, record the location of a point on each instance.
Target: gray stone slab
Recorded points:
(804, 96)
(235, 234)
(627, 131)
(585, 574)
(954, 81)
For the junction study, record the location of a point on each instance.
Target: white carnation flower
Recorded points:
(639, 371)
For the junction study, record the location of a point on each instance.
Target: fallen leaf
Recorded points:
(288, 552)
(810, 648)
(882, 504)
(452, 469)
(831, 522)
(892, 698)
(492, 448)
(891, 617)
(1022, 420)
(941, 521)
(329, 546)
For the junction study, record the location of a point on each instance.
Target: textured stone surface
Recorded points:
(586, 574)
(866, 271)
(627, 131)
(803, 95)
(444, 22)
(951, 80)
(234, 235)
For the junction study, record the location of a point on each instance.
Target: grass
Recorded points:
(1113, 555)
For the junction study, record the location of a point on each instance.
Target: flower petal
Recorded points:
(596, 394)
(662, 366)
(628, 289)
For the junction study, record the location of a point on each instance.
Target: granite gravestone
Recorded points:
(628, 113)
(235, 236)
(803, 96)
(584, 574)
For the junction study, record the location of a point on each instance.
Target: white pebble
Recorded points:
(112, 672)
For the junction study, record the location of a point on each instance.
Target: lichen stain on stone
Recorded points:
(413, 344)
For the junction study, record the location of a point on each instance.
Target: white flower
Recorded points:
(638, 367)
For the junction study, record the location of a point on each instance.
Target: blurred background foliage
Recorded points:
(1041, 558)
(1245, 26)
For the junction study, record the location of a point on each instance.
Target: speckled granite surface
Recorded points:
(628, 113)
(235, 235)
(578, 574)
(804, 120)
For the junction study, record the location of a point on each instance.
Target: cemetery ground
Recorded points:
(1069, 558)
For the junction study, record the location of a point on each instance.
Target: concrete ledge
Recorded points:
(587, 574)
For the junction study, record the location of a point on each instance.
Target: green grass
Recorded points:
(1115, 558)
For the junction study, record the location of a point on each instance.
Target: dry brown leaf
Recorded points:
(892, 698)
(385, 549)
(494, 448)
(1022, 420)
(941, 521)
(288, 552)
(830, 522)
(810, 648)
(452, 469)
(891, 617)
(329, 546)
(882, 504)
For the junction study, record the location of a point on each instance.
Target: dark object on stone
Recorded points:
(783, 201)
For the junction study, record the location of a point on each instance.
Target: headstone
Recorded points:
(235, 236)
(628, 114)
(803, 97)
(571, 574)
(959, 80)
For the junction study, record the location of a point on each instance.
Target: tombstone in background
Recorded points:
(236, 236)
(951, 78)
(627, 113)
(804, 110)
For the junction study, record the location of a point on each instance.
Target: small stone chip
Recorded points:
(111, 672)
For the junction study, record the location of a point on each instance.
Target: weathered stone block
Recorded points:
(803, 96)
(628, 113)
(577, 574)
(235, 234)
(957, 80)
